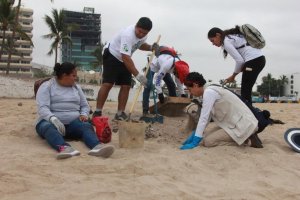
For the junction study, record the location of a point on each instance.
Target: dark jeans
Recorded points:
(249, 77)
(146, 93)
(75, 130)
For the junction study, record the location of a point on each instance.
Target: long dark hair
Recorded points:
(213, 33)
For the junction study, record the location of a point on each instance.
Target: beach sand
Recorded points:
(29, 169)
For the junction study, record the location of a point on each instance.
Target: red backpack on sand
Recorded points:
(103, 130)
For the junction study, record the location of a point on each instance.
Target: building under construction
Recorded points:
(86, 37)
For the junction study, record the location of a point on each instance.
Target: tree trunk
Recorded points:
(55, 56)
(3, 42)
(13, 37)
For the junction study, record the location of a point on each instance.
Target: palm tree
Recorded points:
(59, 31)
(282, 81)
(98, 55)
(16, 29)
(9, 20)
(7, 17)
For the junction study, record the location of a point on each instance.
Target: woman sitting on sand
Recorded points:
(234, 121)
(63, 113)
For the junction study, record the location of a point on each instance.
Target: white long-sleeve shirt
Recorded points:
(66, 103)
(209, 98)
(161, 66)
(241, 55)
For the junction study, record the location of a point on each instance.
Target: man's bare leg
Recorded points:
(103, 94)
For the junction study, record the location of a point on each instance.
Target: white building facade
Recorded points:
(293, 86)
(21, 59)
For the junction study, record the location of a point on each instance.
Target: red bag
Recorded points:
(103, 130)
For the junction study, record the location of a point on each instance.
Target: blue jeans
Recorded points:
(75, 130)
(146, 93)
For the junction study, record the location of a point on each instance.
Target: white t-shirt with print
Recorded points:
(162, 65)
(125, 42)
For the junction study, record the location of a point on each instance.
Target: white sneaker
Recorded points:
(67, 152)
(103, 150)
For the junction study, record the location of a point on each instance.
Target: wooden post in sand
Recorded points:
(131, 134)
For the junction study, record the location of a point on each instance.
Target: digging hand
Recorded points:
(142, 79)
(195, 142)
(189, 139)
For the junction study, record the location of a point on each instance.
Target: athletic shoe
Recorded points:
(67, 152)
(121, 117)
(102, 150)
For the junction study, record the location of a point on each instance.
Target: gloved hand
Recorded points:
(194, 143)
(142, 79)
(184, 95)
(155, 47)
(58, 124)
(189, 139)
(161, 98)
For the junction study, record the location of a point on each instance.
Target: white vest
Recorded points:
(233, 115)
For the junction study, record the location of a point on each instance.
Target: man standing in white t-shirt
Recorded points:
(118, 65)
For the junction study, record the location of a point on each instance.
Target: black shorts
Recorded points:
(114, 71)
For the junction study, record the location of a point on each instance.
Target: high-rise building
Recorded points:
(21, 58)
(85, 38)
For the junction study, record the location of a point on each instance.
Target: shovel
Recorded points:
(140, 87)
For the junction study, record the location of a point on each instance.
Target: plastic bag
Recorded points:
(103, 129)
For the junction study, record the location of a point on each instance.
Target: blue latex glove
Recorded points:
(189, 139)
(195, 142)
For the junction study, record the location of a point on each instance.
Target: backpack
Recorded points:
(38, 83)
(167, 50)
(252, 35)
(103, 130)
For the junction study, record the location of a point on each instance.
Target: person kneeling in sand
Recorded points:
(234, 121)
(63, 114)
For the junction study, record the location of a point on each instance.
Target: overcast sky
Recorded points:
(184, 24)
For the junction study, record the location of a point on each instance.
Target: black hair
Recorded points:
(144, 23)
(64, 68)
(213, 33)
(194, 77)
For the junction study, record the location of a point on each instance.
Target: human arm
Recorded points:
(239, 60)
(43, 101)
(84, 105)
(209, 98)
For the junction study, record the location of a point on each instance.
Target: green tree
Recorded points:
(16, 28)
(97, 53)
(7, 19)
(282, 81)
(271, 86)
(59, 31)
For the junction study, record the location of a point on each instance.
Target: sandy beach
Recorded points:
(29, 169)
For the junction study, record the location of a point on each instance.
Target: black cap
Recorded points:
(144, 23)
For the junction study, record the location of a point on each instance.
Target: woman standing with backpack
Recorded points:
(250, 61)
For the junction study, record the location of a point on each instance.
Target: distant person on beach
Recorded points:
(63, 114)
(118, 67)
(248, 60)
(234, 121)
(165, 63)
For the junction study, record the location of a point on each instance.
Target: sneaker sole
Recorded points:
(104, 152)
(67, 155)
